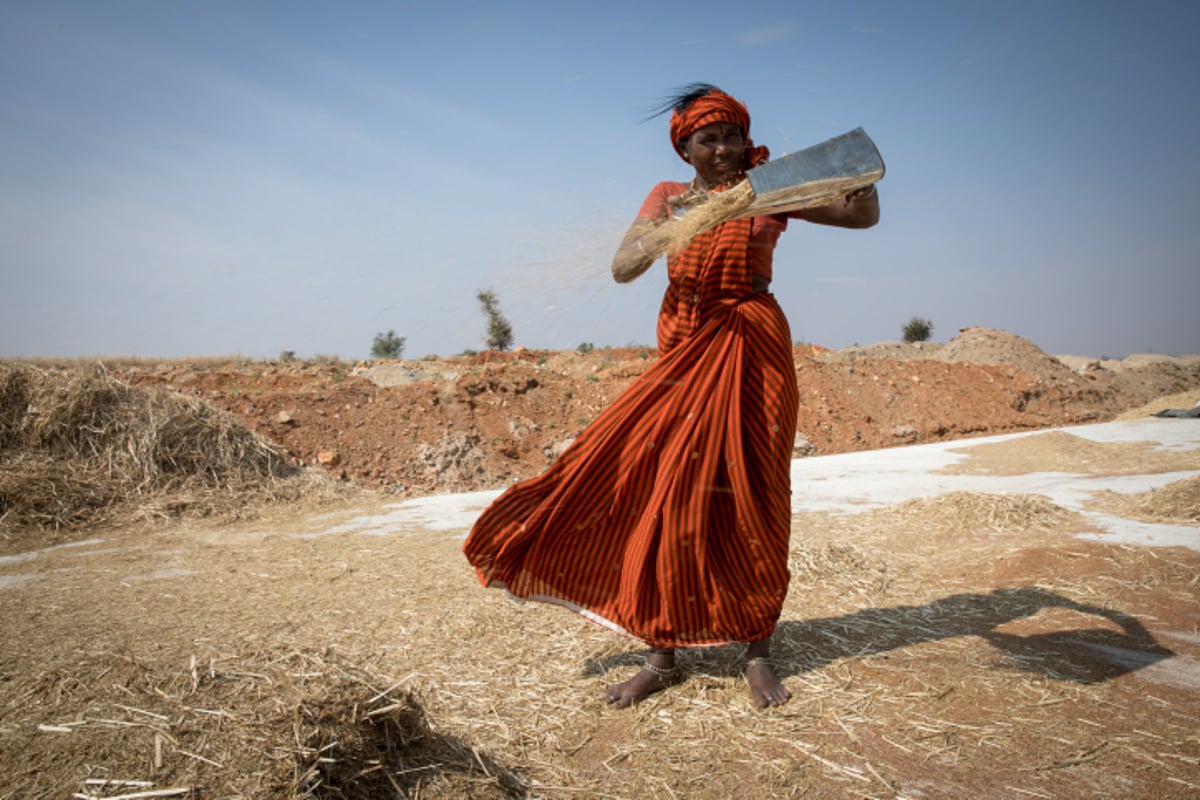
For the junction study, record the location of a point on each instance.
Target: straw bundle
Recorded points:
(712, 209)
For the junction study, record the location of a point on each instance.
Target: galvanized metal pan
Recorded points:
(815, 175)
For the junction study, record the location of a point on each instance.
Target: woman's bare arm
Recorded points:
(634, 256)
(859, 209)
(647, 239)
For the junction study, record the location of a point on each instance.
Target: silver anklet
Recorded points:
(763, 660)
(662, 672)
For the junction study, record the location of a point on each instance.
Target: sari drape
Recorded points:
(668, 517)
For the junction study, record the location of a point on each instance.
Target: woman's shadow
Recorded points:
(1086, 655)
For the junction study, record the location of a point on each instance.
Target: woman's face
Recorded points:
(716, 152)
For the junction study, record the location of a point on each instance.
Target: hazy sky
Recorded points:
(213, 178)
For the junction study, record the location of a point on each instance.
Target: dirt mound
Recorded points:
(412, 428)
(893, 350)
(971, 346)
(991, 346)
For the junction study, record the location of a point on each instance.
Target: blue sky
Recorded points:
(198, 179)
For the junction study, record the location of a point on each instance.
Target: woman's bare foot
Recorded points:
(765, 688)
(658, 674)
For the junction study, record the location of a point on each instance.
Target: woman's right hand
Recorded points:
(680, 204)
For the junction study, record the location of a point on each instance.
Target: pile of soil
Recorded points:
(483, 421)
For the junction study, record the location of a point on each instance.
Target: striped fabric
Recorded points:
(716, 106)
(668, 517)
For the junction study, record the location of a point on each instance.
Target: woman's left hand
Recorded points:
(865, 193)
(858, 209)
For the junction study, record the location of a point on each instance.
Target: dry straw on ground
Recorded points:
(942, 647)
(1181, 400)
(1177, 502)
(288, 724)
(78, 447)
(978, 512)
(1056, 451)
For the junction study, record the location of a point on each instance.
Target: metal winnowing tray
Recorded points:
(810, 177)
(815, 175)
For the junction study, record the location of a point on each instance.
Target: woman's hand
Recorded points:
(859, 209)
(680, 204)
(863, 194)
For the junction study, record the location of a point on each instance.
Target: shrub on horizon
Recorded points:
(387, 345)
(917, 330)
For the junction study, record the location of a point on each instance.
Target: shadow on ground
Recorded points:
(1088, 655)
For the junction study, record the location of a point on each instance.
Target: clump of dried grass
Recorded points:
(1176, 502)
(78, 446)
(296, 725)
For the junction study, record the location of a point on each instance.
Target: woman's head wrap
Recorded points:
(715, 106)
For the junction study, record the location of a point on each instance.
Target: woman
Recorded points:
(668, 518)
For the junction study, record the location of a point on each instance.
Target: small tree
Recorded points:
(917, 330)
(387, 345)
(499, 331)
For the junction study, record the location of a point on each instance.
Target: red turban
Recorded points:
(716, 106)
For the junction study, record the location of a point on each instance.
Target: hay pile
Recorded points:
(1187, 399)
(915, 536)
(980, 512)
(78, 448)
(1177, 502)
(1057, 451)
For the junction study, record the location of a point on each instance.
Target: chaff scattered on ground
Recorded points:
(289, 724)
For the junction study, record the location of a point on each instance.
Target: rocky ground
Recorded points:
(483, 421)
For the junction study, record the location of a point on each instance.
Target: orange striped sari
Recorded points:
(668, 518)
